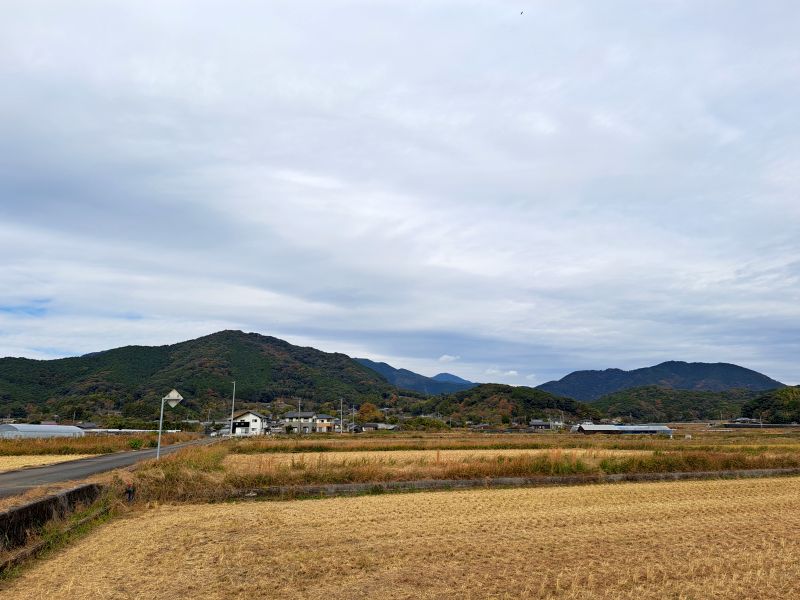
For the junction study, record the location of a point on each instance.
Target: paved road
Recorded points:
(17, 482)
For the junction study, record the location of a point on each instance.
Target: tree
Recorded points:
(369, 413)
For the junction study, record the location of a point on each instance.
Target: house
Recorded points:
(250, 422)
(323, 423)
(307, 422)
(591, 428)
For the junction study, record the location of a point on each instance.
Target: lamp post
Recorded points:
(233, 404)
(173, 399)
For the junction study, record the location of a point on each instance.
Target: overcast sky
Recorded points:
(443, 185)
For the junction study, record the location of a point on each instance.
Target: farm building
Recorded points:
(378, 427)
(591, 428)
(25, 430)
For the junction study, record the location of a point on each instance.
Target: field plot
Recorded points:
(12, 463)
(720, 539)
(400, 465)
(217, 472)
(700, 440)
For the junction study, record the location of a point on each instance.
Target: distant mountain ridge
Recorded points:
(443, 383)
(589, 386)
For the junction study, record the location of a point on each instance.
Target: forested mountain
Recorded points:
(660, 405)
(452, 379)
(443, 383)
(494, 402)
(589, 386)
(274, 375)
(134, 378)
(776, 406)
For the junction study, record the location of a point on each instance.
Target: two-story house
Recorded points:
(249, 422)
(307, 422)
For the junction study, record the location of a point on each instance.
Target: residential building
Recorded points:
(249, 422)
(307, 422)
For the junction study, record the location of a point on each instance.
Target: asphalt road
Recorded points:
(17, 482)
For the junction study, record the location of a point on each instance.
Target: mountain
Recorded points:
(589, 386)
(443, 383)
(449, 377)
(776, 406)
(660, 405)
(134, 378)
(494, 402)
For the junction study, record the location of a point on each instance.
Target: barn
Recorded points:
(25, 430)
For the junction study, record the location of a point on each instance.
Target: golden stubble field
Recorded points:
(707, 539)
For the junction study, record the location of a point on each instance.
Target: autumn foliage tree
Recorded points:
(369, 413)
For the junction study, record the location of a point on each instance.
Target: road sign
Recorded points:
(173, 398)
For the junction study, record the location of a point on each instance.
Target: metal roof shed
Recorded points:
(590, 428)
(25, 430)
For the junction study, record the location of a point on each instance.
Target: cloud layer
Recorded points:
(580, 186)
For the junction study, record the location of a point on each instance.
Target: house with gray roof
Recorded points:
(307, 422)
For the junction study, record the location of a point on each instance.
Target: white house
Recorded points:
(250, 422)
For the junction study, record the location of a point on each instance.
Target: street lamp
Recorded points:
(173, 399)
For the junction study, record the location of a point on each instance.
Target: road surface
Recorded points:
(17, 482)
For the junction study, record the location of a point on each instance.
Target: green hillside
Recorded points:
(134, 378)
(776, 406)
(658, 404)
(495, 403)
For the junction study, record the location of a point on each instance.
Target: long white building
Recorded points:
(27, 430)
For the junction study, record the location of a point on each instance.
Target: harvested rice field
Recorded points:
(12, 463)
(733, 539)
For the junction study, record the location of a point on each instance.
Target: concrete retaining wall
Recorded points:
(16, 524)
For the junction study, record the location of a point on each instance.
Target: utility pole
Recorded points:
(233, 403)
(341, 415)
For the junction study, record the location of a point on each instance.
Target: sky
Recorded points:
(508, 191)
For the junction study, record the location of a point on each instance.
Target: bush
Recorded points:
(135, 443)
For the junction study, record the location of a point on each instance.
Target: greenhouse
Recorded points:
(25, 430)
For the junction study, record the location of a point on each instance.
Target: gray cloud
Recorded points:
(576, 187)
